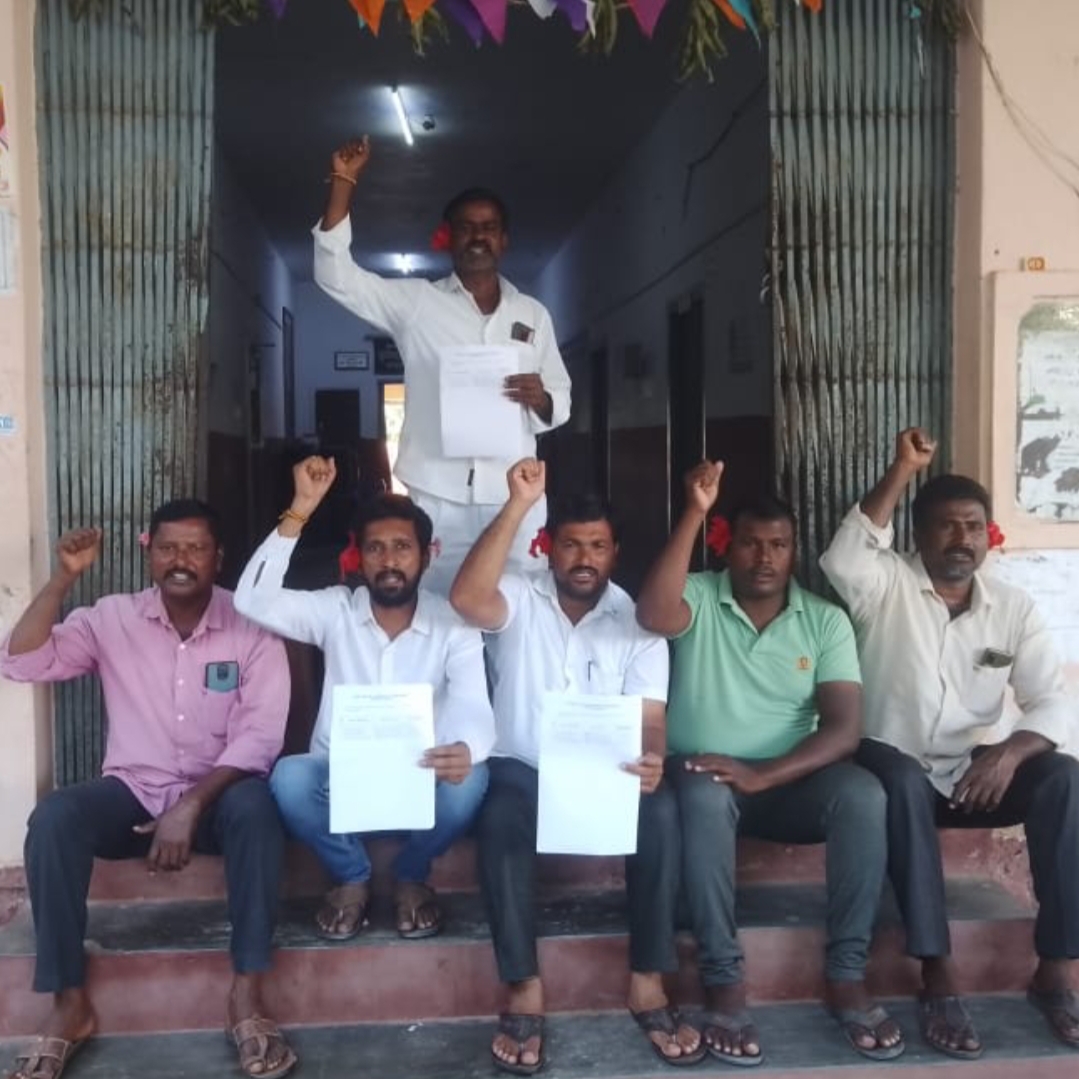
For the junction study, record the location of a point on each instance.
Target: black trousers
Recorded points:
(507, 858)
(74, 825)
(1043, 797)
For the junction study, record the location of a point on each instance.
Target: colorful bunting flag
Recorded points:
(465, 15)
(277, 7)
(370, 11)
(733, 17)
(576, 12)
(543, 8)
(647, 14)
(416, 9)
(493, 15)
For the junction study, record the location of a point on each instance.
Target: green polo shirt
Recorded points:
(750, 694)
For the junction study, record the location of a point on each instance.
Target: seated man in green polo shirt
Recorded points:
(765, 708)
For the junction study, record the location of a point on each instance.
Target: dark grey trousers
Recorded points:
(75, 824)
(1043, 797)
(507, 856)
(840, 805)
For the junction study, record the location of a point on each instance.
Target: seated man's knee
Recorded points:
(701, 799)
(1060, 780)
(57, 814)
(903, 777)
(506, 815)
(859, 794)
(659, 810)
(249, 801)
(294, 780)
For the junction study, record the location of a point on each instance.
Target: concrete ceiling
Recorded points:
(534, 119)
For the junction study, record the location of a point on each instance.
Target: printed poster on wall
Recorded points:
(1047, 412)
(7, 171)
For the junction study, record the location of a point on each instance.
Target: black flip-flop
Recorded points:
(950, 1011)
(739, 1024)
(666, 1020)
(1050, 1004)
(520, 1028)
(854, 1021)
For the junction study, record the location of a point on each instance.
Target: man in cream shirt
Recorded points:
(389, 631)
(474, 306)
(939, 642)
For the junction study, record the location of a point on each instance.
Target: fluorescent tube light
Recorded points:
(399, 105)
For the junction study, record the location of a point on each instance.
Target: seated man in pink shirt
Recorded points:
(197, 699)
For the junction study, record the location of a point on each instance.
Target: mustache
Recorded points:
(959, 549)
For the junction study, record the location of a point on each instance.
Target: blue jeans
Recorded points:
(301, 785)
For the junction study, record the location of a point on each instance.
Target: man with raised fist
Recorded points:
(197, 698)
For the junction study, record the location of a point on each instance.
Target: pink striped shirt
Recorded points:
(176, 709)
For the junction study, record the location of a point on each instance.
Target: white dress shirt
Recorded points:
(437, 648)
(424, 317)
(539, 649)
(928, 688)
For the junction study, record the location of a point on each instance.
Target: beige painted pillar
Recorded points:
(1011, 206)
(25, 727)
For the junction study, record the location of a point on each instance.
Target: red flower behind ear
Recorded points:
(718, 537)
(541, 544)
(350, 560)
(440, 238)
(996, 537)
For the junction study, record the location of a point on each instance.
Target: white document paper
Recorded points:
(377, 736)
(477, 419)
(587, 803)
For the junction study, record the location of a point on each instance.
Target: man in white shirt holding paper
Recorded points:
(940, 641)
(431, 321)
(567, 629)
(391, 632)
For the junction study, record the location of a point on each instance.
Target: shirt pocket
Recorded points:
(215, 707)
(604, 680)
(985, 690)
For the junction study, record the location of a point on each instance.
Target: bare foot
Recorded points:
(728, 1032)
(853, 996)
(523, 998)
(646, 993)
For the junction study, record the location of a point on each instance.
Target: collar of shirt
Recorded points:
(794, 603)
(980, 598)
(507, 291)
(421, 617)
(151, 606)
(607, 604)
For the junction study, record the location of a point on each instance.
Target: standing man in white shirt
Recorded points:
(473, 306)
(939, 643)
(391, 631)
(572, 629)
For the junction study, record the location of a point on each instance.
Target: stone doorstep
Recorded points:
(799, 1040)
(966, 854)
(164, 966)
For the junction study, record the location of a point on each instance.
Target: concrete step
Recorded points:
(799, 1040)
(161, 966)
(966, 853)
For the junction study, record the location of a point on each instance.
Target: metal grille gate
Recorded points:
(125, 130)
(862, 193)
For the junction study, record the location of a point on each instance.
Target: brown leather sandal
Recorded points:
(254, 1039)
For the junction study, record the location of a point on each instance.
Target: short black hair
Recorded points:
(764, 506)
(947, 488)
(580, 509)
(477, 194)
(391, 507)
(186, 509)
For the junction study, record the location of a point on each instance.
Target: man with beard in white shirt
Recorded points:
(390, 631)
(568, 629)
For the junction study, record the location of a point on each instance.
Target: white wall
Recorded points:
(249, 285)
(324, 327)
(664, 227)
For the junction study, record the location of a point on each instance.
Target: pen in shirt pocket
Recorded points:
(590, 666)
